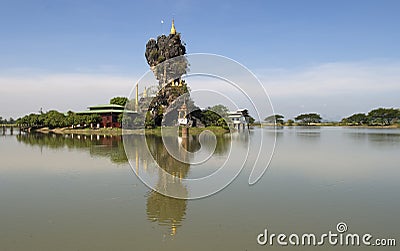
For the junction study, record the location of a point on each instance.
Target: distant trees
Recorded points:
(308, 118)
(383, 116)
(376, 117)
(54, 119)
(119, 101)
(356, 119)
(290, 122)
(5, 121)
(276, 118)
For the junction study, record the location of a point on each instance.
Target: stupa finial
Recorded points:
(173, 30)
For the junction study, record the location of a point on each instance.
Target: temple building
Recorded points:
(109, 114)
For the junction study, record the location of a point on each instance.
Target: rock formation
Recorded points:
(166, 60)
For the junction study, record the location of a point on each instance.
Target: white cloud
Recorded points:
(20, 95)
(333, 78)
(333, 89)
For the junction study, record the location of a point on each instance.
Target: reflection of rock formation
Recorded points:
(166, 210)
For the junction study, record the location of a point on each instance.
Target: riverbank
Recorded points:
(332, 125)
(193, 130)
(120, 131)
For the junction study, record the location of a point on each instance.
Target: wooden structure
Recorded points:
(109, 114)
(11, 128)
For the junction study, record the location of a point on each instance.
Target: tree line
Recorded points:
(302, 119)
(5, 121)
(375, 117)
(55, 119)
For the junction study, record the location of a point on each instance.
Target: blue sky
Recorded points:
(275, 39)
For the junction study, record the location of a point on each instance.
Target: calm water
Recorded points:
(79, 193)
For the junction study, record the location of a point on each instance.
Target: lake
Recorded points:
(79, 192)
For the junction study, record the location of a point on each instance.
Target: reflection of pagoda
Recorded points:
(165, 210)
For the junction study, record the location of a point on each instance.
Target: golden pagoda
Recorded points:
(173, 30)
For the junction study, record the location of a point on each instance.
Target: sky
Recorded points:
(331, 57)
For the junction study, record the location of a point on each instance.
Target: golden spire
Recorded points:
(173, 31)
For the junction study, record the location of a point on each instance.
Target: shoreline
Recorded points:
(193, 130)
(120, 131)
(332, 125)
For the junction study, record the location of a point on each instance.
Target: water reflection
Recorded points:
(166, 211)
(380, 138)
(306, 181)
(97, 145)
(309, 132)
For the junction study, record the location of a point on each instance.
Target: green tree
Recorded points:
(309, 118)
(54, 119)
(149, 121)
(290, 122)
(251, 119)
(119, 101)
(222, 123)
(220, 110)
(383, 116)
(357, 119)
(276, 118)
(210, 118)
(93, 119)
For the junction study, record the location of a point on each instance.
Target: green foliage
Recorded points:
(251, 119)
(54, 119)
(220, 110)
(383, 116)
(120, 118)
(149, 121)
(376, 117)
(309, 118)
(276, 118)
(210, 118)
(290, 122)
(130, 105)
(119, 101)
(128, 122)
(356, 119)
(5, 121)
(222, 123)
(214, 116)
